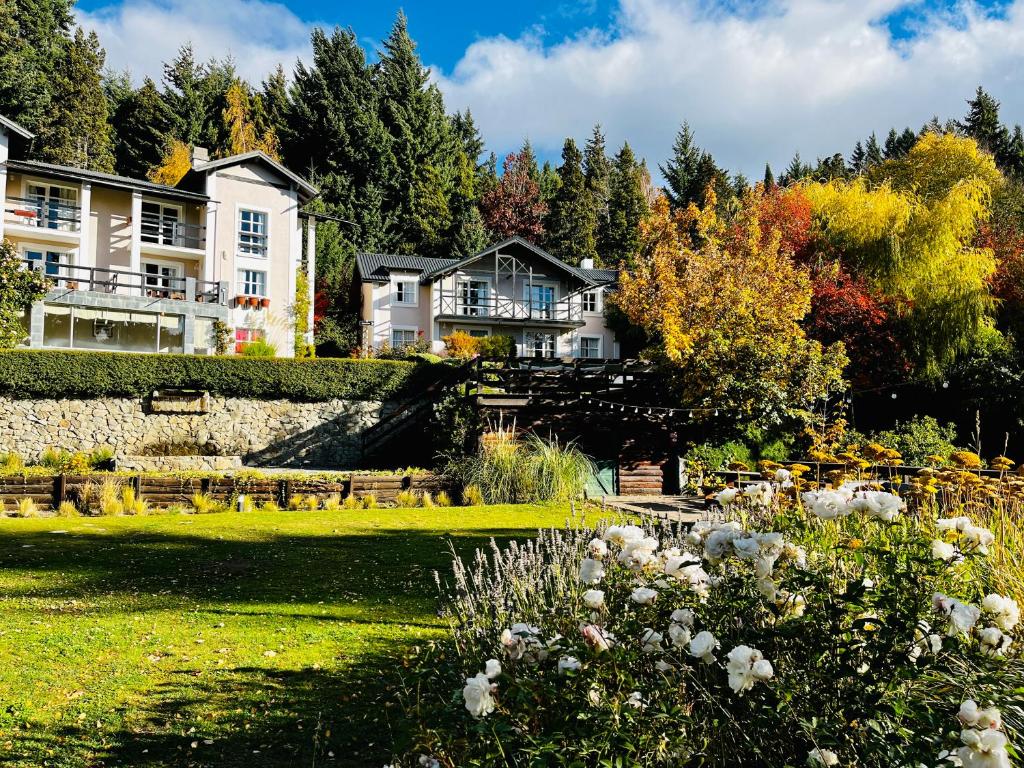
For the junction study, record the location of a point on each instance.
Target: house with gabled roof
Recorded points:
(514, 288)
(135, 266)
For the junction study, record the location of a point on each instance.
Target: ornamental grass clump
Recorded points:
(825, 625)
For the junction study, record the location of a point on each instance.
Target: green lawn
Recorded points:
(260, 639)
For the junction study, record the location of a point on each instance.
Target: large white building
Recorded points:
(143, 267)
(514, 288)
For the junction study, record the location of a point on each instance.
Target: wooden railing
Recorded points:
(459, 304)
(164, 230)
(73, 277)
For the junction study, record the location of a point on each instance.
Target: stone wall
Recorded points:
(261, 432)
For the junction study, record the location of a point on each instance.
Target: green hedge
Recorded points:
(59, 373)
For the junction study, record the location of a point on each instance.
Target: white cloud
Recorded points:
(813, 75)
(139, 35)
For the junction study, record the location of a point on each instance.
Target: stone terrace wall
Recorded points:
(262, 432)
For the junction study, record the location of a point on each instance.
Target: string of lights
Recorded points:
(650, 410)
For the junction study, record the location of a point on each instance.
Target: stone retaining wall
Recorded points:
(262, 432)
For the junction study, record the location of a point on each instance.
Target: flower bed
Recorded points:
(820, 625)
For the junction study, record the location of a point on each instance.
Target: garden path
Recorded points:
(675, 509)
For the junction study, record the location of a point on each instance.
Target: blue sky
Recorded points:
(755, 80)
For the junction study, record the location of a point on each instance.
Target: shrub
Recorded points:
(26, 508)
(918, 438)
(461, 345)
(110, 497)
(472, 496)
(101, 457)
(67, 509)
(259, 348)
(332, 503)
(836, 623)
(427, 501)
(132, 504)
(369, 501)
(63, 373)
(442, 499)
(64, 462)
(496, 346)
(11, 463)
(269, 506)
(351, 502)
(202, 504)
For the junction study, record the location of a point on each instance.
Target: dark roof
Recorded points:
(601, 275)
(375, 266)
(453, 264)
(104, 179)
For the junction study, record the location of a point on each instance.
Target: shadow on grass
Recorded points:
(251, 716)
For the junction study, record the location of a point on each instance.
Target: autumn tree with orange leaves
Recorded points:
(722, 307)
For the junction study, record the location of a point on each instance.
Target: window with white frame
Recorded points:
(590, 301)
(52, 207)
(252, 282)
(252, 233)
(473, 297)
(590, 346)
(162, 278)
(403, 292)
(403, 337)
(540, 345)
(56, 263)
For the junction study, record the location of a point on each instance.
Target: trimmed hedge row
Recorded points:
(65, 373)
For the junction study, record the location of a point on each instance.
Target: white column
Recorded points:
(86, 247)
(310, 273)
(135, 262)
(3, 191)
(210, 271)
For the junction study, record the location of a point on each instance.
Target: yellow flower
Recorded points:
(966, 459)
(856, 543)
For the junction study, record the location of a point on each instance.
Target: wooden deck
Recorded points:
(675, 509)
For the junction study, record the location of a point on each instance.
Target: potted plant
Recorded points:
(265, 303)
(254, 301)
(240, 301)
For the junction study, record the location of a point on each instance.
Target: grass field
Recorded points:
(262, 639)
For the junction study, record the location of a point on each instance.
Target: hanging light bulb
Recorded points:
(945, 385)
(716, 411)
(690, 414)
(893, 395)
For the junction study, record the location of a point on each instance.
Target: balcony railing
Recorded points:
(123, 283)
(164, 230)
(460, 304)
(43, 213)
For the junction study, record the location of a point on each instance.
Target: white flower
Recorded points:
(663, 666)
(971, 715)
(593, 598)
(679, 635)
(924, 641)
(727, 496)
(759, 494)
(703, 647)
(719, 543)
(822, 757)
(638, 553)
(428, 762)
(790, 604)
(492, 668)
(620, 534)
(878, 504)
(682, 616)
(597, 548)
(952, 523)
(747, 666)
(942, 550)
(984, 749)
(644, 595)
(1004, 610)
(674, 564)
(994, 642)
(477, 694)
(827, 505)
(635, 700)
(597, 637)
(795, 553)
(769, 589)
(651, 641)
(783, 475)
(698, 579)
(591, 571)
(568, 664)
(962, 617)
(977, 538)
(746, 548)
(523, 641)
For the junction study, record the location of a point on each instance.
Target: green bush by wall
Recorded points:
(60, 373)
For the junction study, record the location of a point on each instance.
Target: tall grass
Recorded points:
(513, 470)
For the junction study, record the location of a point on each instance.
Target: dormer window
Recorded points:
(252, 233)
(403, 291)
(590, 301)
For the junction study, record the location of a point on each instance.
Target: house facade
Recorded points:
(514, 288)
(141, 267)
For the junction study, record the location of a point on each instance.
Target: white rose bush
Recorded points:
(811, 626)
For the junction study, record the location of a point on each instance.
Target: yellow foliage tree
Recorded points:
(243, 135)
(722, 307)
(910, 228)
(176, 163)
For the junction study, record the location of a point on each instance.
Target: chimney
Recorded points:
(586, 263)
(200, 155)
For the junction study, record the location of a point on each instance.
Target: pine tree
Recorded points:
(829, 168)
(141, 123)
(691, 171)
(857, 159)
(897, 145)
(274, 103)
(197, 97)
(597, 173)
(982, 124)
(77, 129)
(530, 160)
(769, 177)
(872, 152)
(627, 206)
(796, 170)
(547, 180)
(569, 225)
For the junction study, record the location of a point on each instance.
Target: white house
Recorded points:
(514, 288)
(143, 267)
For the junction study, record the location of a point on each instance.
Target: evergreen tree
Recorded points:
(197, 97)
(412, 113)
(982, 124)
(796, 170)
(833, 167)
(691, 171)
(1013, 159)
(530, 160)
(569, 225)
(872, 152)
(597, 172)
(275, 104)
(77, 129)
(769, 177)
(547, 180)
(627, 207)
(141, 123)
(857, 159)
(468, 135)
(246, 124)
(897, 145)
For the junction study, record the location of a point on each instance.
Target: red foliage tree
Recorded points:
(846, 308)
(787, 211)
(514, 206)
